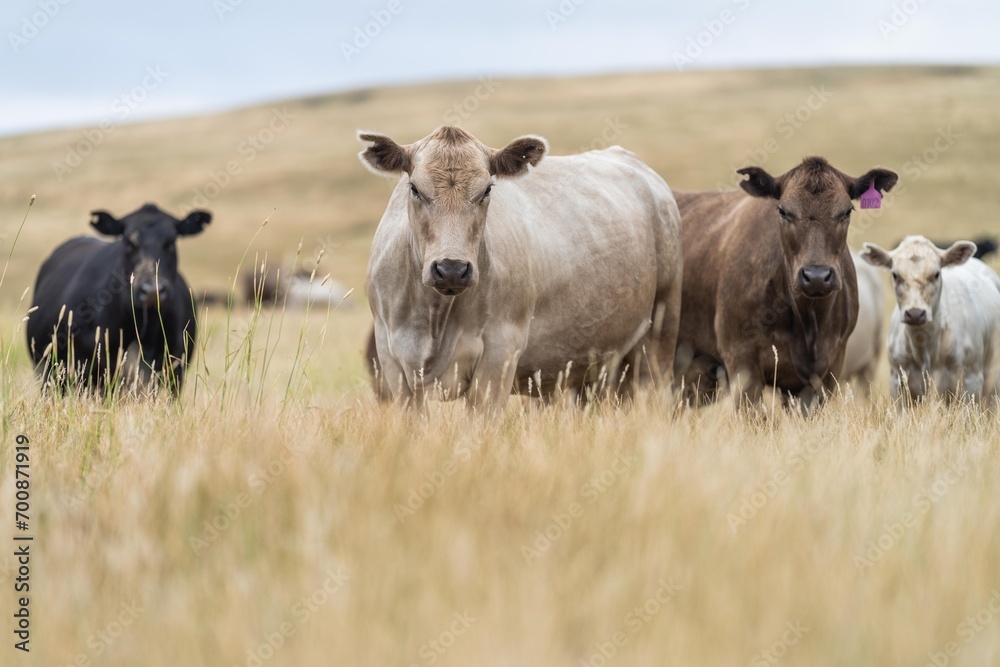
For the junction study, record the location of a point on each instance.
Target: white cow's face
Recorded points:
(450, 176)
(449, 197)
(916, 274)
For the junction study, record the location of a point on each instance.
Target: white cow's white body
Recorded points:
(864, 347)
(573, 256)
(960, 349)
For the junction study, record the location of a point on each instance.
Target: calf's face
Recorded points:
(450, 176)
(813, 206)
(149, 240)
(916, 273)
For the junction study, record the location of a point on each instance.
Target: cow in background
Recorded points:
(101, 306)
(945, 332)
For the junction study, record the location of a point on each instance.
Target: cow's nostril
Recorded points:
(452, 272)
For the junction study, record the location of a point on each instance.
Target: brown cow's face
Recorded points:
(450, 177)
(813, 207)
(916, 274)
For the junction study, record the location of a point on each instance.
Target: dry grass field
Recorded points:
(276, 515)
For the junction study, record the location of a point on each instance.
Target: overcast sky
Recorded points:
(74, 62)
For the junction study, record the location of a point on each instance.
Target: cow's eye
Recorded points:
(785, 215)
(415, 192)
(937, 275)
(895, 277)
(486, 193)
(168, 246)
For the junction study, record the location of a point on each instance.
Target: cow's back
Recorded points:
(603, 238)
(63, 280)
(715, 228)
(970, 307)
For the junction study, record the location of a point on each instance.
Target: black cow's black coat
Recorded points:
(96, 300)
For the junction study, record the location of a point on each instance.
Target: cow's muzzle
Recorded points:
(915, 317)
(148, 294)
(450, 277)
(817, 282)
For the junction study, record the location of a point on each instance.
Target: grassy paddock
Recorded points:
(276, 504)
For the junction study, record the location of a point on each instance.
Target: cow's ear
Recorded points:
(759, 183)
(515, 158)
(958, 253)
(883, 179)
(384, 156)
(107, 224)
(194, 223)
(877, 256)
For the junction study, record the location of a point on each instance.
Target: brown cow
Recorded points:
(766, 267)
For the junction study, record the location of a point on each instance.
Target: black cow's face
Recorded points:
(149, 237)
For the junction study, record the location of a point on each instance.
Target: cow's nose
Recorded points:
(816, 280)
(452, 273)
(915, 316)
(149, 293)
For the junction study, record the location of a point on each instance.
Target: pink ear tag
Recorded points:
(871, 198)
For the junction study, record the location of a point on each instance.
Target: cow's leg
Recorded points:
(493, 379)
(651, 361)
(382, 392)
(745, 381)
(392, 379)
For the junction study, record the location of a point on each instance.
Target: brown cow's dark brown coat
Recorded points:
(746, 260)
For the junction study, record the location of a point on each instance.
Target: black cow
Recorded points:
(98, 300)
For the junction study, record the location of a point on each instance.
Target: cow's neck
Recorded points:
(815, 320)
(441, 311)
(923, 343)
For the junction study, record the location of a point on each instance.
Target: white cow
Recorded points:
(494, 271)
(946, 326)
(864, 347)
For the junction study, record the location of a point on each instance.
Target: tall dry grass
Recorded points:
(277, 504)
